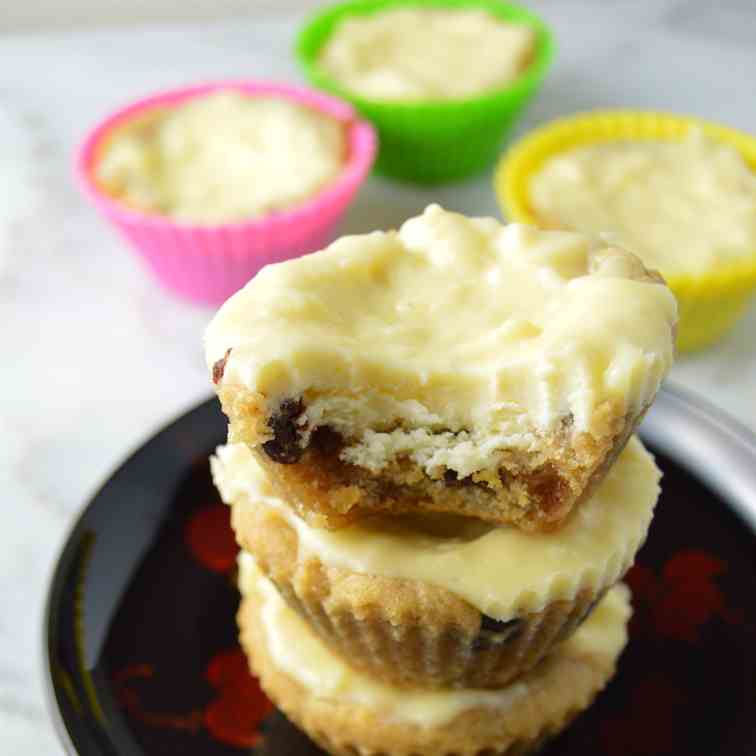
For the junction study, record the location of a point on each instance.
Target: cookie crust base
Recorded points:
(559, 689)
(535, 491)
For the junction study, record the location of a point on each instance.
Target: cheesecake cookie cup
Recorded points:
(428, 136)
(199, 166)
(434, 601)
(456, 365)
(346, 712)
(679, 189)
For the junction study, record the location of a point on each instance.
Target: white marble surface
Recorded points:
(96, 357)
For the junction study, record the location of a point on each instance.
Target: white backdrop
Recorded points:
(60, 14)
(78, 313)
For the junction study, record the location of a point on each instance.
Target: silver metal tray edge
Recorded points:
(709, 443)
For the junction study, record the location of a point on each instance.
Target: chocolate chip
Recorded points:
(327, 441)
(285, 447)
(452, 480)
(219, 367)
(491, 625)
(494, 632)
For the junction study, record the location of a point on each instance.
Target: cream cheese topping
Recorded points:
(502, 571)
(419, 54)
(296, 651)
(683, 207)
(222, 157)
(452, 340)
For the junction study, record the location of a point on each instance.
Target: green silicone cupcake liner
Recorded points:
(433, 141)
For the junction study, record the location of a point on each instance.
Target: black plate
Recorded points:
(141, 643)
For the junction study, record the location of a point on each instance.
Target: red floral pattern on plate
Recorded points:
(235, 715)
(210, 539)
(130, 700)
(683, 598)
(232, 717)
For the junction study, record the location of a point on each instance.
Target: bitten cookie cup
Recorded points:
(456, 365)
(348, 713)
(435, 601)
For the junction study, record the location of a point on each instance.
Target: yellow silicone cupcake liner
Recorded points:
(709, 304)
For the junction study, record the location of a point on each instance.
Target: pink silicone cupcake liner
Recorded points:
(208, 263)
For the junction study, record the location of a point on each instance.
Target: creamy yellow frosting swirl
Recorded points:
(222, 157)
(419, 53)
(683, 207)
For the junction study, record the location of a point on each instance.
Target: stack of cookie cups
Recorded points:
(435, 634)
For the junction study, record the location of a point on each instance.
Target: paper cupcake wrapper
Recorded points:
(208, 263)
(433, 141)
(419, 655)
(509, 724)
(710, 304)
